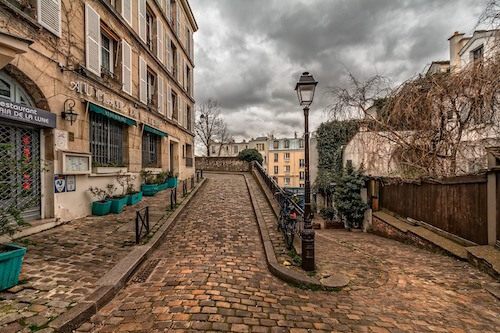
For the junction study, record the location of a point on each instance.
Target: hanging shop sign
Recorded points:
(26, 114)
(88, 90)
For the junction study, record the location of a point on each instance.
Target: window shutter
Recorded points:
(142, 19)
(159, 39)
(178, 14)
(184, 106)
(93, 40)
(178, 78)
(179, 113)
(169, 10)
(49, 15)
(161, 104)
(143, 80)
(126, 67)
(193, 115)
(191, 84)
(169, 101)
(169, 51)
(191, 49)
(127, 11)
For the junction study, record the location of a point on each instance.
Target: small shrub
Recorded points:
(250, 155)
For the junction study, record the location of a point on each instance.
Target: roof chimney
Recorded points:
(455, 46)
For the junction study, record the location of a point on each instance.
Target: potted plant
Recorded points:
(117, 200)
(171, 180)
(103, 204)
(161, 180)
(11, 219)
(149, 187)
(133, 195)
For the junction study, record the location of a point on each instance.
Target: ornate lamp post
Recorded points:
(305, 91)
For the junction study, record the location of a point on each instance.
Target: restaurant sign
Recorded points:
(26, 114)
(100, 96)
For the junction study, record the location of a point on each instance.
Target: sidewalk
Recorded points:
(62, 265)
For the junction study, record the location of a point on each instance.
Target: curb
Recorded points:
(113, 281)
(272, 263)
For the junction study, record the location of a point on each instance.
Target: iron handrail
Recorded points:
(144, 223)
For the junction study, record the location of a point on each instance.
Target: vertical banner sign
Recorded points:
(70, 183)
(59, 183)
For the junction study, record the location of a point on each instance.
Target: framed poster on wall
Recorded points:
(76, 163)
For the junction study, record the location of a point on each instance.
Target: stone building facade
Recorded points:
(93, 87)
(286, 162)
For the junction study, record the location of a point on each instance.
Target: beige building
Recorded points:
(286, 162)
(123, 68)
(232, 149)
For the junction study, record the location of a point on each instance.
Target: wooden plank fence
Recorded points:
(457, 205)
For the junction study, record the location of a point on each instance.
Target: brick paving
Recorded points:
(211, 275)
(62, 265)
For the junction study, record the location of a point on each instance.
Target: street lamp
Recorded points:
(305, 92)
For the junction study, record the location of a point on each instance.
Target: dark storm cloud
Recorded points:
(250, 53)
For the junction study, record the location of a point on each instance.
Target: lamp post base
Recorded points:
(308, 250)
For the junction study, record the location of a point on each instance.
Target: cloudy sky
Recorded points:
(250, 53)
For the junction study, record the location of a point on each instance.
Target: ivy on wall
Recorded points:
(332, 137)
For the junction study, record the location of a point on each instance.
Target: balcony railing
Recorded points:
(189, 162)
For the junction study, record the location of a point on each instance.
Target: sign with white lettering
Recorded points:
(26, 114)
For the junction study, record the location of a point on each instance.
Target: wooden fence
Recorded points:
(457, 205)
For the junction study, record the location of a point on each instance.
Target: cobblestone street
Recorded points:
(210, 274)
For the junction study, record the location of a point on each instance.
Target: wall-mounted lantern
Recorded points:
(69, 114)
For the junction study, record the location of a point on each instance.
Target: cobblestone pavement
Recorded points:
(210, 275)
(61, 265)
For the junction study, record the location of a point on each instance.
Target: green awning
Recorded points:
(155, 131)
(111, 114)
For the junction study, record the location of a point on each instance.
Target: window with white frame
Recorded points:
(287, 156)
(150, 19)
(109, 45)
(235, 149)
(151, 87)
(276, 144)
(301, 143)
(478, 53)
(301, 175)
(287, 181)
(302, 163)
(287, 168)
(276, 157)
(276, 169)
(287, 143)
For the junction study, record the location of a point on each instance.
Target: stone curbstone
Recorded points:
(274, 267)
(113, 281)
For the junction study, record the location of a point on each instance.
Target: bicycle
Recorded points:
(287, 219)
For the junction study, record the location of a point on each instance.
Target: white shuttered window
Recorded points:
(142, 19)
(185, 107)
(178, 18)
(127, 11)
(49, 15)
(169, 101)
(126, 67)
(161, 102)
(143, 80)
(159, 39)
(93, 40)
(169, 52)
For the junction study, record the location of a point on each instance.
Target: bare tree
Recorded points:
(210, 127)
(434, 122)
(224, 137)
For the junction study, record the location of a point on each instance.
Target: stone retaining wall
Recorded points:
(227, 164)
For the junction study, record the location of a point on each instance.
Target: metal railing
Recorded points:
(173, 198)
(141, 221)
(281, 196)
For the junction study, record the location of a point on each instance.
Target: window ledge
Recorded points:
(153, 170)
(108, 170)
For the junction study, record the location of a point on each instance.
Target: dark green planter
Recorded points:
(172, 182)
(149, 189)
(117, 204)
(134, 198)
(100, 208)
(162, 187)
(10, 265)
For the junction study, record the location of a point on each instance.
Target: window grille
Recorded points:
(149, 149)
(106, 140)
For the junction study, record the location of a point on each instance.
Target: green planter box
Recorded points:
(134, 198)
(162, 187)
(172, 182)
(11, 260)
(117, 204)
(149, 189)
(100, 208)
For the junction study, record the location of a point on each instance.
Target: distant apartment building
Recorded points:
(233, 148)
(286, 162)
